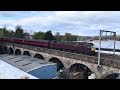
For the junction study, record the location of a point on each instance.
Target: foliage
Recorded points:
(19, 32)
(26, 35)
(38, 35)
(69, 37)
(49, 36)
(12, 33)
(57, 37)
(5, 32)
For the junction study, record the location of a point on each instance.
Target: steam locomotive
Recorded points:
(79, 47)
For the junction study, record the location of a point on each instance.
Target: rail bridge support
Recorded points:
(67, 59)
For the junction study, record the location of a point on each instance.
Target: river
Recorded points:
(107, 44)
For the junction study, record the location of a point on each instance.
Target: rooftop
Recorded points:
(25, 63)
(12, 72)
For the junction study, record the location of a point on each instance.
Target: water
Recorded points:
(108, 44)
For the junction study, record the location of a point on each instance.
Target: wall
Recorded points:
(68, 59)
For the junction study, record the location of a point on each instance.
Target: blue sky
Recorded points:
(81, 23)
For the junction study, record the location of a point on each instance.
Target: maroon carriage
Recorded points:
(81, 47)
(39, 43)
(6, 39)
(19, 41)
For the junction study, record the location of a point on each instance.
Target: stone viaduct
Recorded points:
(68, 60)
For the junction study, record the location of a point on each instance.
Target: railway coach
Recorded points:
(78, 47)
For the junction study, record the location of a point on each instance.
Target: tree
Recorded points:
(1, 32)
(12, 33)
(66, 37)
(49, 36)
(69, 37)
(26, 35)
(74, 38)
(6, 33)
(38, 35)
(57, 36)
(19, 32)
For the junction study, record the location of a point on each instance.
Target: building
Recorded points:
(35, 67)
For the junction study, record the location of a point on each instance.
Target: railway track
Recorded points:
(108, 49)
(109, 56)
(103, 55)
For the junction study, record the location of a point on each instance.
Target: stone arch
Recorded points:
(110, 75)
(39, 56)
(60, 65)
(82, 70)
(27, 53)
(5, 50)
(11, 51)
(17, 52)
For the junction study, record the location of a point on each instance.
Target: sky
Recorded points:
(83, 23)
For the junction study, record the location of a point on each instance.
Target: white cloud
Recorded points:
(76, 22)
(7, 13)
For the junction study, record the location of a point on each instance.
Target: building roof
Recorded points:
(8, 71)
(25, 63)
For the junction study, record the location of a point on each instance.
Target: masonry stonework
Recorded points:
(68, 59)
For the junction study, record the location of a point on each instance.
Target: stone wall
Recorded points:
(108, 66)
(85, 58)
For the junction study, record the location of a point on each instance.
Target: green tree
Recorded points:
(69, 37)
(19, 32)
(6, 33)
(26, 35)
(1, 32)
(57, 36)
(38, 35)
(11, 33)
(74, 38)
(49, 36)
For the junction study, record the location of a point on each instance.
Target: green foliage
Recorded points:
(19, 32)
(69, 37)
(43, 36)
(6, 33)
(38, 35)
(26, 35)
(57, 37)
(49, 36)
(12, 33)
(1, 32)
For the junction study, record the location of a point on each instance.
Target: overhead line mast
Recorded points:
(100, 34)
